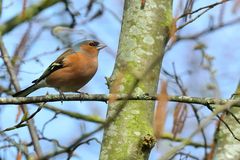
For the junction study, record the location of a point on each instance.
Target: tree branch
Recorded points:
(169, 136)
(105, 98)
(203, 124)
(13, 78)
(30, 12)
(205, 7)
(95, 119)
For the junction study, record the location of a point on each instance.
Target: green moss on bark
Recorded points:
(142, 40)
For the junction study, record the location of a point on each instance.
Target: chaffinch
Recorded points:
(70, 71)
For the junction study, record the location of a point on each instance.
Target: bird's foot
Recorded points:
(62, 96)
(235, 95)
(83, 93)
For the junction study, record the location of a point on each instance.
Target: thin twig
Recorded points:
(192, 20)
(203, 124)
(30, 11)
(205, 7)
(13, 78)
(184, 92)
(88, 118)
(209, 30)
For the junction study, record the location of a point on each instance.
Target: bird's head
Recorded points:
(91, 46)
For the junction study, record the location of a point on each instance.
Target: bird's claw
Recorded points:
(82, 93)
(62, 96)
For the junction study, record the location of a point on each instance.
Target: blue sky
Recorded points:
(107, 28)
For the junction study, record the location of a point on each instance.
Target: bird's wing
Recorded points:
(57, 64)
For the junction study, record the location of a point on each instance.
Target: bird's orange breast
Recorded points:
(78, 69)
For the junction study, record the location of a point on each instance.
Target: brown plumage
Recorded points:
(70, 71)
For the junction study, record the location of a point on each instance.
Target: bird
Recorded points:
(70, 71)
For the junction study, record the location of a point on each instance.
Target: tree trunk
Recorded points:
(227, 147)
(141, 48)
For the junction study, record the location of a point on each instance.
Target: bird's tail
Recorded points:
(27, 91)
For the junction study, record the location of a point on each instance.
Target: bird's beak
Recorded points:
(101, 46)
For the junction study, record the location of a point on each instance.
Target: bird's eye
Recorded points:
(94, 43)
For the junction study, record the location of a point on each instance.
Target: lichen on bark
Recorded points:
(227, 147)
(143, 38)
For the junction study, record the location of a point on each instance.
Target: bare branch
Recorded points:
(205, 7)
(105, 98)
(209, 30)
(203, 124)
(76, 115)
(30, 12)
(8, 64)
(13, 78)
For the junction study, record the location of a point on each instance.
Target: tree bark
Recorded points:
(141, 48)
(227, 147)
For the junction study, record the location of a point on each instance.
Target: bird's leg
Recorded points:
(83, 93)
(235, 94)
(62, 95)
